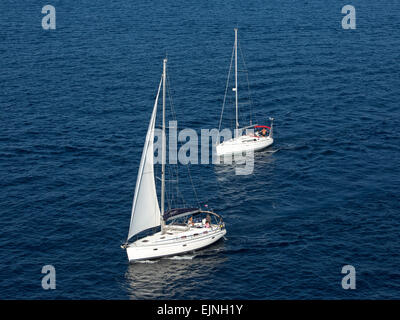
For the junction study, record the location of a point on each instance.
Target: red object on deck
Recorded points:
(262, 127)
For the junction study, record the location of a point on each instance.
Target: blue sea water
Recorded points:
(75, 103)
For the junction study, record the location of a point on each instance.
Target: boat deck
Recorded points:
(176, 233)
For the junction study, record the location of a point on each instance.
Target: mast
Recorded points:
(236, 84)
(163, 148)
(236, 87)
(272, 126)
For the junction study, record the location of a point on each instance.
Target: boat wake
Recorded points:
(271, 151)
(181, 257)
(147, 261)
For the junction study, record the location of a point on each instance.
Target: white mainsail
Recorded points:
(145, 208)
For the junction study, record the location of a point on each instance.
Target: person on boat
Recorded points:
(207, 221)
(264, 132)
(190, 222)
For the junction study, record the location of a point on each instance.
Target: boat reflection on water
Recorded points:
(177, 276)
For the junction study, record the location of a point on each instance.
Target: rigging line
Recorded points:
(248, 83)
(171, 102)
(192, 184)
(206, 198)
(194, 189)
(167, 195)
(179, 194)
(177, 171)
(172, 198)
(174, 118)
(226, 88)
(184, 203)
(170, 98)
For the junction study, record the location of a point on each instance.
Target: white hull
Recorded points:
(243, 143)
(173, 242)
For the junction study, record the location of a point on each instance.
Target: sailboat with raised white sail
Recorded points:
(161, 232)
(262, 136)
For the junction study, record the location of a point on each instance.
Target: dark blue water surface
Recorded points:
(75, 104)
